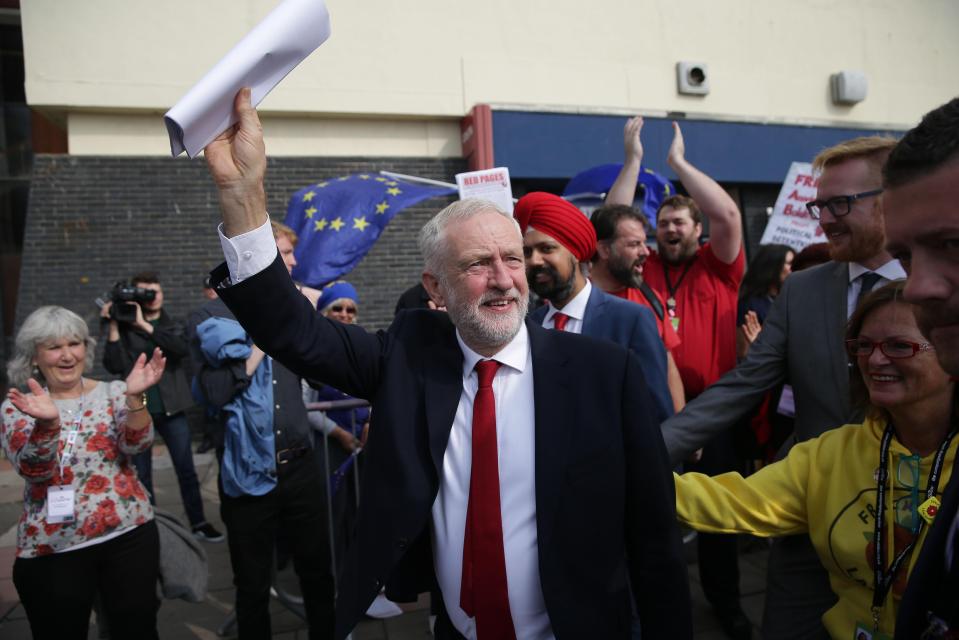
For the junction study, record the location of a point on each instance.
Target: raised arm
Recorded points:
(725, 222)
(623, 190)
(237, 162)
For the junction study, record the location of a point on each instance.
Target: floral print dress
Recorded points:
(108, 497)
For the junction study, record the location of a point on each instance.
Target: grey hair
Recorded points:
(432, 234)
(44, 325)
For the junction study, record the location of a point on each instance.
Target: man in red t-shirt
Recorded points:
(617, 269)
(700, 285)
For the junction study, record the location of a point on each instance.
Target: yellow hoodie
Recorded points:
(825, 487)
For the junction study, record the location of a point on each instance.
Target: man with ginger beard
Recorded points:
(497, 448)
(558, 242)
(802, 342)
(921, 180)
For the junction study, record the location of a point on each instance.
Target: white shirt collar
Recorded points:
(892, 270)
(513, 355)
(575, 308)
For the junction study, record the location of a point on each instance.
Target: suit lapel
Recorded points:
(443, 387)
(593, 310)
(553, 395)
(835, 294)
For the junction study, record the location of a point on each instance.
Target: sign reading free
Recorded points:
(790, 223)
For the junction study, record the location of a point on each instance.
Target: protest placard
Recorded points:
(488, 184)
(790, 223)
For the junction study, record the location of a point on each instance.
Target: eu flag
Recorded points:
(338, 220)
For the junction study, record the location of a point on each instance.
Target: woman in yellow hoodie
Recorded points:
(865, 493)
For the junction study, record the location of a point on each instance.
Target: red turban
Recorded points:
(560, 220)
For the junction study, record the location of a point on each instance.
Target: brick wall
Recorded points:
(95, 220)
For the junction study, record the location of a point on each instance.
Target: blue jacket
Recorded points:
(632, 326)
(249, 463)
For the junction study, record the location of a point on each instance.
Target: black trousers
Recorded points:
(57, 591)
(719, 553)
(295, 508)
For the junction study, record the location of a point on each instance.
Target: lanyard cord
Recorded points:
(883, 580)
(72, 435)
(671, 288)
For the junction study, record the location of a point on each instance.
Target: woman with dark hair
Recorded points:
(764, 277)
(864, 493)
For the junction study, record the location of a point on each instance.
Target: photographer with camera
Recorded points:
(138, 325)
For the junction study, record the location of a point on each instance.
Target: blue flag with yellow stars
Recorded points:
(338, 220)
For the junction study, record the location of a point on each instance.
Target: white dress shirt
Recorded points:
(575, 309)
(892, 270)
(249, 253)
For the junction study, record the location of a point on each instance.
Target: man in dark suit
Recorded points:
(548, 433)
(921, 210)
(558, 242)
(802, 341)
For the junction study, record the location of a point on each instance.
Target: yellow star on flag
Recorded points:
(360, 223)
(343, 179)
(363, 176)
(322, 184)
(319, 225)
(309, 212)
(382, 207)
(393, 191)
(380, 179)
(337, 223)
(392, 183)
(308, 196)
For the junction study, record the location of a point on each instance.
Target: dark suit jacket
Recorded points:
(935, 577)
(605, 507)
(632, 326)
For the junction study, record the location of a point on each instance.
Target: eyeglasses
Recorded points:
(895, 349)
(338, 308)
(838, 206)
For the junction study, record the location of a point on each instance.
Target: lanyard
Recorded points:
(883, 580)
(72, 436)
(671, 288)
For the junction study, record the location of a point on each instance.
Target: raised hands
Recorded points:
(145, 374)
(632, 142)
(237, 161)
(677, 150)
(37, 404)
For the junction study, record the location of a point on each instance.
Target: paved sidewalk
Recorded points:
(180, 620)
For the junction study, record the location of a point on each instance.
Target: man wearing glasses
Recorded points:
(802, 342)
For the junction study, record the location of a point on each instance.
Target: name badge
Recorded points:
(60, 504)
(865, 632)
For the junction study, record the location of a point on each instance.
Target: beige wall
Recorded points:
(433, 59)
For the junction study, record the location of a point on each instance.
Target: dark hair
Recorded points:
(886, 294)
(811, 255)
(145, 277)
(931, 144)
(763, 271)
(606, 219)
(682, 202)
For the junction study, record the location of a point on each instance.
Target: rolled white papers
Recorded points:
(260, 60)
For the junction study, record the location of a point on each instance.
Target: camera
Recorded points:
(125, 297)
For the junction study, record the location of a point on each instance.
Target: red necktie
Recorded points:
(559, 321)
(483, 592)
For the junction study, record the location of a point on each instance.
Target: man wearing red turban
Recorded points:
(558, 242)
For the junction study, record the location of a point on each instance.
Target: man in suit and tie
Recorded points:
(515, 467)
(802, 342)
(558, 242)
(921, 181)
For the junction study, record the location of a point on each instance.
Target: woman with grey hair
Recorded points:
(87, 525)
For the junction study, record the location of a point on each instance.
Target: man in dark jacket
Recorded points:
(166, 401)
